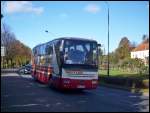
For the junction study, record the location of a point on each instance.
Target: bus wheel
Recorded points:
(34, 78)
(50, 84)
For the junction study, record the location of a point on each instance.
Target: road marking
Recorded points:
(9, 74)
(58, 103)
(82, 101)
(47, 105)
(26, 76)
(26, 105)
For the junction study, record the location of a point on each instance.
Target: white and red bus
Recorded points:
(66, 63)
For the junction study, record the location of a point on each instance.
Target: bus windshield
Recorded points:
(80, 52)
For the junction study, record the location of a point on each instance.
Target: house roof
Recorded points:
(142, 46)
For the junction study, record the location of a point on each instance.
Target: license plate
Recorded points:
(80, 86)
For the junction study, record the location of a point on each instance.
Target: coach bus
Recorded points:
(66, 63)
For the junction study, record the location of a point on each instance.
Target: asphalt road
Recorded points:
(22, 93)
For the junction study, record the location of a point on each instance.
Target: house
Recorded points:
(141, 51)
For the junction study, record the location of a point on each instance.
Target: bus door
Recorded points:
(55, 70)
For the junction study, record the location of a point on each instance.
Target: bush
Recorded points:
(146, 83)
(145, 70)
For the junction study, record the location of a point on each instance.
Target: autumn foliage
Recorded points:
(16, 53)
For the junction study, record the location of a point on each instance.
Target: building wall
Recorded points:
(140, 54)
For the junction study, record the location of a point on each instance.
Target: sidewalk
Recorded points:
(9, 70)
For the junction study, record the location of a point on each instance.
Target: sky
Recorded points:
(28, 20)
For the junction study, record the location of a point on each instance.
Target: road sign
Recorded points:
(2, 51)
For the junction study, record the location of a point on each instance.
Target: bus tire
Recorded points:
(34, 78)
(50, 84)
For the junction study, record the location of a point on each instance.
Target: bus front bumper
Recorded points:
(78, 84)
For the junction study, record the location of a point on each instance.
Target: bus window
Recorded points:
(80, 52)
(49, 49)
(48, 54)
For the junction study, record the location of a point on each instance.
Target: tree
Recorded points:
(118, 57)
(124, 42)
(144, 37)
(7, 40)
(123, 49)
(16, 52)
(113, 58)
(133, 45)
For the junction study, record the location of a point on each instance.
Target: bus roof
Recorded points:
(75, 38)
(68, 38)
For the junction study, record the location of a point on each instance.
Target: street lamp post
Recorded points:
(50, 33)
(2, 16)
(2, 49)
(108, 39)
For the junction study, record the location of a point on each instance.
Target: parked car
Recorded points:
(26, 69)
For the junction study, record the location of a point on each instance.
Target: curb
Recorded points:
(146, 94)
(124, 88)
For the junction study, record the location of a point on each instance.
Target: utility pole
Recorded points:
(2, 16)
(2, 48)
(108, 39)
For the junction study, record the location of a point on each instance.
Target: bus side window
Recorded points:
(49, 50)
(35, 52)
(49, 53)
